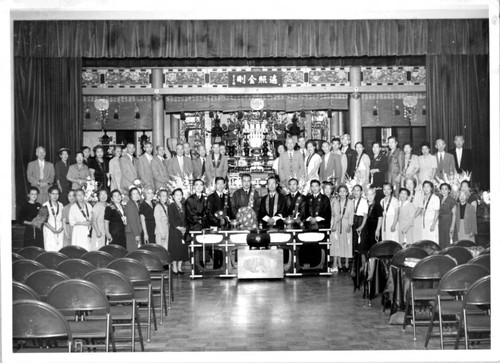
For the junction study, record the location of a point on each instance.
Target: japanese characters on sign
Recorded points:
(255, 79)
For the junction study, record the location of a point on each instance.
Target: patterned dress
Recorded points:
(344, 215)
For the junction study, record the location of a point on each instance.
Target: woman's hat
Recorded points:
(64, 149)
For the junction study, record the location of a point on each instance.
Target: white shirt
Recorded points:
(440, 156)
(276, 163)
(41, 164)
(459, 155)
(149, 157)
(327, 157)
(180, 159)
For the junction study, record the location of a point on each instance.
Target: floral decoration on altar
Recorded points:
(91, 188)
(185, 183)
(454, 180)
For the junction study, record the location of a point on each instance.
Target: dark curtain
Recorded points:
(249, 38)
(458, 104)
(47, 111)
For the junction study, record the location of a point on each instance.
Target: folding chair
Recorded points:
(410, 252)
(98, 258)
(51, 259)
(167, 261)
(116, 251)
(460, 254)
(75, 268)
(141, 280)
(448, 301)
(121, 296)
(42, 281)
(16, 257)
(483, 261)
(33, 320)
(464, 243)
(30, 252)
(485, 252)
(430, 246)
(81, 299)
(23, 268)
(476, 312)
(426, 272)
(155, 268)
(73, 251)
(21, 291)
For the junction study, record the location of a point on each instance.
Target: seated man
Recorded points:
(295, 204)
(218, 204)
(272, 206)
(246, 196)
(318, 209)
(196, 208)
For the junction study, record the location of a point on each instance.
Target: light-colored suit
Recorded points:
(173, 167)
(295, 170)
(447, 166)
(128, 167)
(332, 169)
(213, 172)
(198, 172)
(33, 174)
(145, 170)
(159, 172)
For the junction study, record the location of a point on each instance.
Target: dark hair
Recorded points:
(358, 186)
(335, 139)
(98, 147)
(30, 189)
(63, 150)
(404, 190)
(246, 175)
(376, 143)
(79, 190)
(407, 143)
(342, 187)
(79, 152)
(52, 188)
(289, 180)
(425, 144)
(414, 181)
(392, 137)
(429, 183)
(114, 191)
(311, 142)
(148, 143)
(85, 148)
(315, 181)
(220, 178)
(445, 185)
(389, 184)
(129, 143)
(360, 143)
(177, 190)
(196, 180)
(466, 182)
(325, 183)
(162, 191)
(131, 190)
(102, 190)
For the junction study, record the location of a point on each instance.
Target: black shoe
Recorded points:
(181, 272)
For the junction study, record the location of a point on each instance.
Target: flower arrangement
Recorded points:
(454, 180)
(183, 182)
(90, 188)
(485, 197)
(41, 217)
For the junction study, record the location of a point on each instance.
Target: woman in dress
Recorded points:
(147, 214)
(53, 228)
(410, 165)
(427, 164)
(78, 172)
(358, 235)
(161, 219)
(133, 228)
(415, 196)
(177, 228)
(33, 236)
(65, 218)
(98, 234)
(373, 224)
(446, 216)
(334, 248)
(115, 173)
(379, 165)
(312, 162)
(473, 197)
(99, 168)
(406, 218)
(390, 208)
(429, 209)
(344, 215)
(362, 171)
(115, 220)
(465, 219)
(61, 169)
(80, 218)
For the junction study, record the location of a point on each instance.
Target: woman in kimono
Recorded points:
(344, 215)
(53, 228)
(390, 208)
(176, 245)
(80, 218)
(429, 209)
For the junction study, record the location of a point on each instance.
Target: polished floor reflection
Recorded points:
(310, 313)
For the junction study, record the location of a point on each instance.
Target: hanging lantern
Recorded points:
(330, 113)
(375, 111)
(183, 116)
(211, 114)
(302, 113)
(397, 112)
(240, 115)
(137, 113)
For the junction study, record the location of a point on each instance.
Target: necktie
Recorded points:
(181, 163)
(441, 158)
(202, 166)
(42, 164)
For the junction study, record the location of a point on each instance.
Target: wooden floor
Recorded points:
(309, 313)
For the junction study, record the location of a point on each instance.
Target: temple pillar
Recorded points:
(341, 123)
(334, 125)
(355, 106)
(158, 118)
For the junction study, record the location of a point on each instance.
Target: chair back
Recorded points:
(77, 295)
(460, 254)
(479, 293)
(98, 258)
(432, 267)
(75, 268)
(428, 245)
(16, 257)
(148, 258)
(73, 251)
(483, 261)
(51, 259)
(485, 252)
(137, 273)
(113, 283)
(23, 268)
(36, 319)
(31, 252)
(42, 281)
(159, 251)
(116, 251)
(384, 249)
(461, 277)
(464, 243)
(410, 252)
(23, 292)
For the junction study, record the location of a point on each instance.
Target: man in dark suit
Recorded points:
(196, 208)
(219, 201)
(463, 157)
(350, 154)
(295, 204)
(445, 161)
(318, 209)
(272, 206)
(241, 197)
